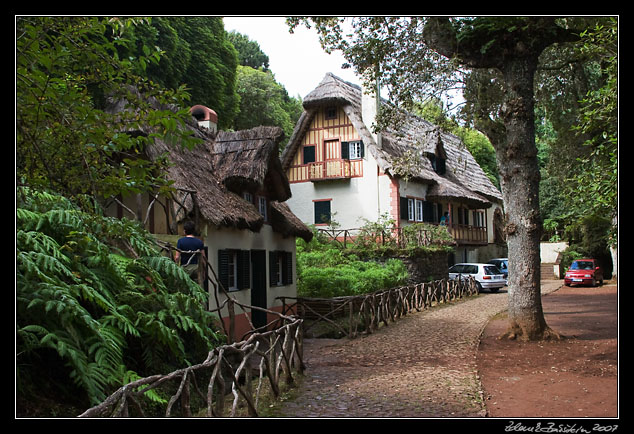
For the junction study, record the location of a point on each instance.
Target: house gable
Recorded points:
(430, 173)
(329, 148)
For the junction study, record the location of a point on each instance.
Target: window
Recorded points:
(478, 218)
(330, 113)
(262, 206)
(280, 268)
(247, 196)
(309, 154)
(352, 150)
(415, 208)
(356, 150)
(438, 164)
(234, 269)
(322, 211)
(419, 210)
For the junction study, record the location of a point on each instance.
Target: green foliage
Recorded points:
(97, 293)
(588, 237)
(249, 52)
(210, 72)
(328, 271)
(66, 69)
(379, 239)
(263, 101)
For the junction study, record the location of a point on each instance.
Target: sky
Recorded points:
(297, 60)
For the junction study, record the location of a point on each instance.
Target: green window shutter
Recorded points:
(223, 268)
(272, 268)
(428, 211)
(244, 269)
(288, 268)
(309, 154)
(404, 209)
(345, 150)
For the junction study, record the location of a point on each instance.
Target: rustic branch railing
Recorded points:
(367, 312)
(230, 368)
(398, 237)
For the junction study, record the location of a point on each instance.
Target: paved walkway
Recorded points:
(423, 365)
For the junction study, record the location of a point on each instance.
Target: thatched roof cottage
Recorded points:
(339, 168)
(233, 187)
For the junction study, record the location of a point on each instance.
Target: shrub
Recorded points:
(96, 300)
(325, 270)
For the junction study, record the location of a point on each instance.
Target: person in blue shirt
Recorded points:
(189, 243)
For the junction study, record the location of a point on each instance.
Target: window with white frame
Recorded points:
(419, 210)
(414, 209)
(355, 150)
(262, 206)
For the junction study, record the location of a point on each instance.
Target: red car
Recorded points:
(584, 272)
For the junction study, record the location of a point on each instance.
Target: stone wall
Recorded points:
(426, 266)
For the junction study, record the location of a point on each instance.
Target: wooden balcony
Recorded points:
(326, 170)
(467, 234)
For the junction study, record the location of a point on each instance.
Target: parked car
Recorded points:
(584, 272)
(502, 264)
(486, 275)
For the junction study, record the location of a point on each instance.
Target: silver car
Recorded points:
(486, 275)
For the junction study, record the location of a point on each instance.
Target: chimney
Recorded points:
(370, 106)
(206, 117)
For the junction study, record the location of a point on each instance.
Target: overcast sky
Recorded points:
(297, 60)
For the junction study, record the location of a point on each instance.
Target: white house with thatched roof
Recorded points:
(233, 187)
(340, 170)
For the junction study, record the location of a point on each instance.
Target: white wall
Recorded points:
(549, 251)
(352, 198)
(225, 238)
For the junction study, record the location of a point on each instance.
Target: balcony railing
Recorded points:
(467, 234)
(325, 170)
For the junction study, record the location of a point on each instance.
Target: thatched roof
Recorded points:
(224, 165)
(248, 160)
(464, 180)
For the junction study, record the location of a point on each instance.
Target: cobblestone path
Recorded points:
(422, 365)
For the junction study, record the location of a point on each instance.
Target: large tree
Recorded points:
(419, 55)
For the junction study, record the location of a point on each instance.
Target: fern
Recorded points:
(97, 292)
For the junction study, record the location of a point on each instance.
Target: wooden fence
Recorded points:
(235, 369)
(399, 237)
(241, 369)
(365, 313)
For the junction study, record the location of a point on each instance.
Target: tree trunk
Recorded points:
(512, 46)
(519, 179)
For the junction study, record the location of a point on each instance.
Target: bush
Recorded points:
(96, 302)
(325, 270)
